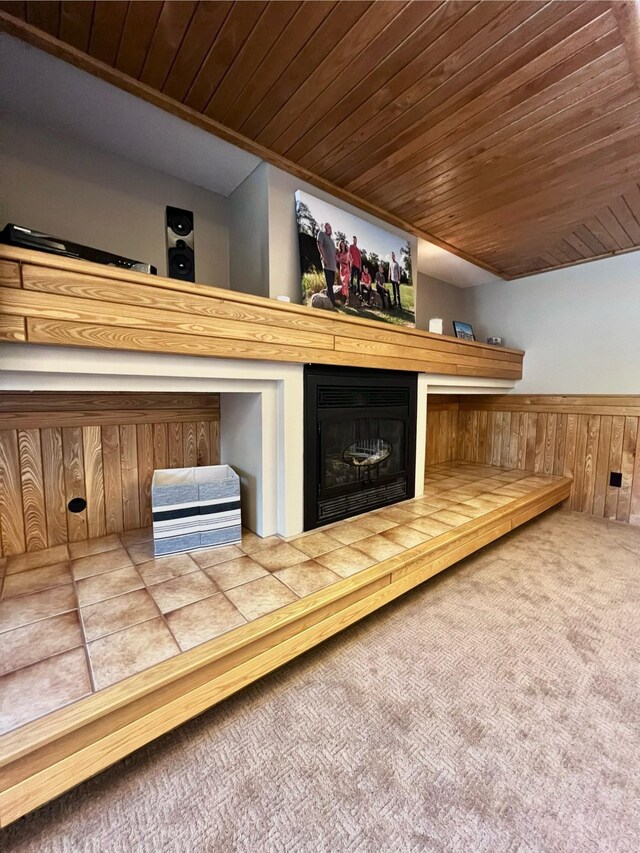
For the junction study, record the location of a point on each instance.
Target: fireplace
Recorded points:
(360, 441)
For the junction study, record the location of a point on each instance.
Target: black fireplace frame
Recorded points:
(317, 377)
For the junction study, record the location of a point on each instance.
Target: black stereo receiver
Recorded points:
(16, 235)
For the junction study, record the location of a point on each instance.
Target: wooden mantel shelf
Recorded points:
(45, 299)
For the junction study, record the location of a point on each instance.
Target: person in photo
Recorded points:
(327, 249)
(394, 275)
(365, 285)
(381, 288)
(342, 258)
(355, 257)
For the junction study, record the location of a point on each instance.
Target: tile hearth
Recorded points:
(76, 619)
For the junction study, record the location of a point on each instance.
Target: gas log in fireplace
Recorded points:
(360, 437)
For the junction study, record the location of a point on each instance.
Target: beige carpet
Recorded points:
(493, 709)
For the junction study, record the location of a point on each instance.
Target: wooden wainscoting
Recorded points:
(100, 447)
(442, 428)
(583, 437)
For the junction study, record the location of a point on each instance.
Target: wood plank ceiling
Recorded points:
(507, 131)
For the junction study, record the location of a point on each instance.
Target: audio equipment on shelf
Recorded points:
(16, 235)
(180, 251)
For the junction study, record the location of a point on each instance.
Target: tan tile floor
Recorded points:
(75, 619)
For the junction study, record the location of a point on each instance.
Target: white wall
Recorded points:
(436, 298)
(580, 327)
(284, 258)
(69, 189)
(249, 234)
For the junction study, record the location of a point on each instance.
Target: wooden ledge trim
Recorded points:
(46, 261)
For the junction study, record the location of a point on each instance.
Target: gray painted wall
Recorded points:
(249, 234)
(435, 298)
(55, 184)
(580, 326)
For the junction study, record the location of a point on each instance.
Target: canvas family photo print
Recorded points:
(352, 266)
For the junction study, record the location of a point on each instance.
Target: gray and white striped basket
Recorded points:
(195, 508)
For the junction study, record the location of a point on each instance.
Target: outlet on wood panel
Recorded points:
(615, 479)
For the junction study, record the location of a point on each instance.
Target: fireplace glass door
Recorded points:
(360, 452)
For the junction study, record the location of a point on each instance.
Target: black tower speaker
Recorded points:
(180, 254)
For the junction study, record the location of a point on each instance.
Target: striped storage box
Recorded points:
(195, 508)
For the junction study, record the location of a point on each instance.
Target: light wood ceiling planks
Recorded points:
(507, 131)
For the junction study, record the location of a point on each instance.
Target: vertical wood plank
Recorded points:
(439, 437)
(111, 464)
(514, 434)
(11, 518)
(74, 484)
(541, 432)
(577, 494)
(628, 459)
(591, 462)
(506, 439)
(190, 439)
(452, 451)
(615, 464)
(129, 476)
(550, 442)
(602, 470)
(214, 429)
(175, 449)
(560, 444)
(35, 521)
(94, 480)
(204, 443)
(532, 429)
(53, 473)
(522, 441)
(463, 424)
(483, 437)
(145, 470)
(634, 510)
(496, 443)
(160, 446)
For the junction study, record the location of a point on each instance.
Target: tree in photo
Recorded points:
(405, 251)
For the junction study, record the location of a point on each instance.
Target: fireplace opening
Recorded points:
(360, 437)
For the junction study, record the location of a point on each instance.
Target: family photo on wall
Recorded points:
(351, 266)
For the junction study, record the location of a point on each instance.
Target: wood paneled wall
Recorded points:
(442, 429)
(100, 447)
(584, 437)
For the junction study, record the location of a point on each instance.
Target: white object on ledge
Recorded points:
(435, 325)
(283, 298)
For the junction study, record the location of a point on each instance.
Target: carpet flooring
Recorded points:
(495, 709)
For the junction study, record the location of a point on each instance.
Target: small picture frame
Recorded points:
(463, 330)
